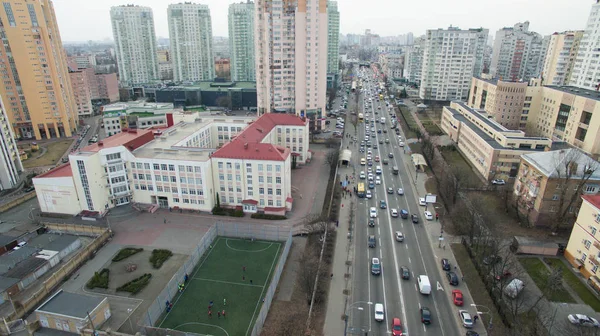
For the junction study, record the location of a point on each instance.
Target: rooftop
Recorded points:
(553, 163)
(5, 240)
(592, 94)
(593, 199)
(52, 242)
(25, 268)
(60, 171)
(6, 283)
(71, 304)
(130, 139)
(212, 86)
(249, 145)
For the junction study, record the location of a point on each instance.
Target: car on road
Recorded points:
(363, 161)
(378, 170)
(379, 313)
(425, 315)
(457, 297)
(371, 185)
(382, 204)
(471, 333)
(371, 241)
(404, 272)
(396, 327)
(428, 215)
(415, 219)
(387, 141)
(371, 176)
(452, 278)
(499, 182)
(375, 266)
(372, 212)
(385, 162)
(362, 175)
(380, 140)
(400, 191)
(390, 190)
(371, 222)
(422, 201)
(465, 318)
(401, 144)
(445, 264)
(404, 214)
(368, 194)
(583, 320)
(399, 236)
(377, 159)
(378, 180)
(391, 155)
(375, 145)
(394, 213)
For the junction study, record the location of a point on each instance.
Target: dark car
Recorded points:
(385, 161)
(414, 218)
(371, 241)
(375, 146)
(452, 278)
(382, 204)
(425, 315)
(445, 264)
(390, 190)
(404, 214)
(371, 185)
(384, 130)
(405, 272)
(30, 189)
(372, 222)
(391, 155)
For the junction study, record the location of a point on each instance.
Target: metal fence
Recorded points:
(225, 229)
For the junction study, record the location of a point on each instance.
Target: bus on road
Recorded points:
(361, 190)
(361, 117)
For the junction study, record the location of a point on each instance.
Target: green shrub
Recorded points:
(237, 213)
(267, 216)
(136, 285)
(126, 253)
(99, 280)
(227, 212)
(158, 257)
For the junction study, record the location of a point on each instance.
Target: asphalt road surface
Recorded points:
(401, 298)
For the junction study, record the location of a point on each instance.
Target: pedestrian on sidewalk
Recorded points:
(437, 216)
(332, 275)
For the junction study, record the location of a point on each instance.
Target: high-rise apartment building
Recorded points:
(135, 44)
(291, 58)
(81, 90)
(241, 42)
(413, 61)
(586, 73)
(333, 37)
(517, 53)
(190, 35)
(560, 57)
(36, 87)
(10, 161)
(447, 77)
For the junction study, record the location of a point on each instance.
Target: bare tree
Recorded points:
(332, 157)
(315, 223)
(451, 180)
(307, 275)
(428, 149)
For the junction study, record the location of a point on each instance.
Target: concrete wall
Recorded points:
(57, 195)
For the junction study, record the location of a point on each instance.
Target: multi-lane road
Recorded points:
(401, 298)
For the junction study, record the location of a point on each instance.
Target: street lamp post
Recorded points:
(351, 307)
(488, 312)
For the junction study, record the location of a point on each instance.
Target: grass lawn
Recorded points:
(455, 159)
(539, 273)
(575, 283)
(409, 126)
(54, 151)
(220, 276)
(477, 289)
(431, 128)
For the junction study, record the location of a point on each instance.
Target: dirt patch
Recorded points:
(49, 154)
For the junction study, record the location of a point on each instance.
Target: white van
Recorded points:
(379, 313)
(382, 120)
(514, 288)
(424, 285)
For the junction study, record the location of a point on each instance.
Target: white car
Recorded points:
(370, 176)
(399, 236)
(372, 212)
(583, 320)
(422, 201)
(362, 175)
(370, 170)
(394, 212)
(368, 194)
(400, 191)
(498, 182)
(428, 215)
(377, 180)
(379, 313)
(401, 144)
(465, 318)
(369, 157)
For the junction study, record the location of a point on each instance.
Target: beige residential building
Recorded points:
(583, 249)
(502, 100)
(492, 149)
(291, 58)
(560, 57)
(36, 87)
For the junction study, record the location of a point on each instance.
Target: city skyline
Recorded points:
(546, 17)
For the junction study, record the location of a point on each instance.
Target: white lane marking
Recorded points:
(406, 246)
(410, 262)
(439, 286)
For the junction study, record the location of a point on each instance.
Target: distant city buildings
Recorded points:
(291, 64)
(586, 73)
(165, 65)
(517, 53)
(560, 57)
(333, 37)
(413, 61)
(392, 65)
(190, 35)
(241, 41)
(223, 68)
(444, 76)
(36, 87)
(135, 44)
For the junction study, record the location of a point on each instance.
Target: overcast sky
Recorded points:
(82, 20)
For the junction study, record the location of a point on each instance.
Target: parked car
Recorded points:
(457, 297)
(452, 278)
(445, 264)
(583, 320)
(499, 182)
(422, 201)
(428, 215)
(465, 318)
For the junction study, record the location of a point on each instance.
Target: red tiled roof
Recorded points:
(247, 144)
(60, 171)
(594, 199)
(289, 199)
(130, 139)
(250, 201)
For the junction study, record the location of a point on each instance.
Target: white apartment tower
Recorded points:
(413, 61)
(10, 161)
(135, 44)
(560, 57)
(586, 73)
(241, 42)
(516, 53)
(190, 35)
(333, 37)
(291, 57)
(444, 76)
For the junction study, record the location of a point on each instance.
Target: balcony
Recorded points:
(597, 245)
(593, 259)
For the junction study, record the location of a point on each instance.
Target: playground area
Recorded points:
(233, 277)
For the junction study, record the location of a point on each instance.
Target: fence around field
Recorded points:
(225, 229)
